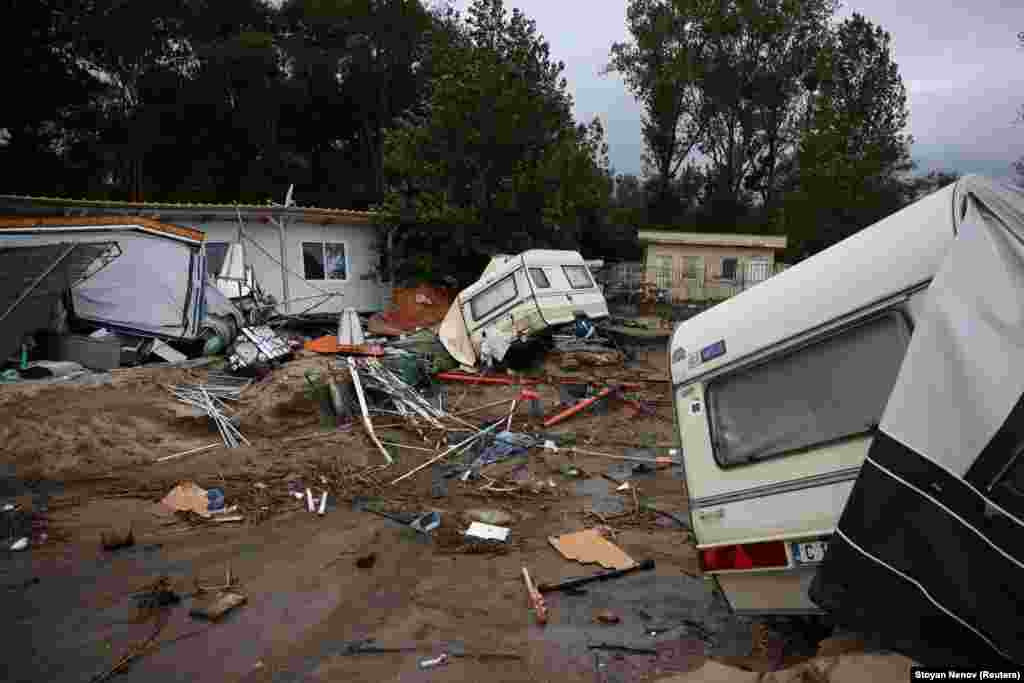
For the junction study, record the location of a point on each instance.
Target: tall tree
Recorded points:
(494, 161)
(149, 59)
(224, 119)
(753, 87)
(51, 92)
(629, 193)
(662, 67)
(725, 78)
(853, 160)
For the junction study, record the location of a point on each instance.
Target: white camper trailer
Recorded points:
(784, 392)
(518, 297)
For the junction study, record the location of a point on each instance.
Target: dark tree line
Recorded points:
(209, 100)
(765, 116)
(460, 128)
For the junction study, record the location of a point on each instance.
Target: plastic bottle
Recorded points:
(436, 661)
(215, 498)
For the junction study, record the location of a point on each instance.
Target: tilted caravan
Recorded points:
(518, 297)
(851, 428)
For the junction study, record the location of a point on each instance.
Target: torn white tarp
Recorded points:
(151, 290)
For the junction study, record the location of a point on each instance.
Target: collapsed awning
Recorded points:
(157, 287)
(33, 278)
(929, 551)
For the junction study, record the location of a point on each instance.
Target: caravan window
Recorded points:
(832, 389)
(494, 297)
(578, 277)
(540, 280)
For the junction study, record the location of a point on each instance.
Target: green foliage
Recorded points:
(493, 161)
(800, 123)
(211, 101)
(663, 66)
(853, 158)
(725, 79)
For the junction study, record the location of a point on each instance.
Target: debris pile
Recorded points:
(209, 398)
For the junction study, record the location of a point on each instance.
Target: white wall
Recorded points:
(363, 289)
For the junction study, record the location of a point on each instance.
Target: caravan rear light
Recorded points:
(746, 556)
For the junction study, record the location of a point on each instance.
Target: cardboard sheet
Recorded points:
(588, 547)
(188, 496)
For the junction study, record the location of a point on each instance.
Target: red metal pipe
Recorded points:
(474, 379)
(555, 419)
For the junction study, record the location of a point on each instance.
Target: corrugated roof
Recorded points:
(713, 239)
(23, 222)
(172, 206)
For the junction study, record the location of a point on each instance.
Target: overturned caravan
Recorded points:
(852, 431)
(133, 275)
(519, 297)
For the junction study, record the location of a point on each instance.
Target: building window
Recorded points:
(729, 268)
(494, 297)
(216, 252)
(833, 389)
(324, 261)
(540, 280)
(758, 269)
(663, 271)
(578, 277)
(693, 267)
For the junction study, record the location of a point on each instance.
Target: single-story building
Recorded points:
(702, 266)
(311, 260)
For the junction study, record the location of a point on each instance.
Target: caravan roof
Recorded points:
(533, 257)
(34, 225)
(891, 256)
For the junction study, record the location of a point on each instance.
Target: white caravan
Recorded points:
(518, 297)
(779, 392)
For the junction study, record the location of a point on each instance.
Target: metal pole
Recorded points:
(354, 371)
(35, 283)
(446, 453)
(284, 266)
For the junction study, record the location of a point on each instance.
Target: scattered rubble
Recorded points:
(215, 607)
(330, 422)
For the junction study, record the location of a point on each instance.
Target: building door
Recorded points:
(663, 264)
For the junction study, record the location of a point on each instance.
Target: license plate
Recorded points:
(809, 552)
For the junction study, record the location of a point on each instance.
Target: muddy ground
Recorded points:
(80, 460)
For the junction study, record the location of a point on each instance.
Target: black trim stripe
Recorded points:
(836, 477)
(863, 592)
(994, 457)
(963, 501)
(909, 520)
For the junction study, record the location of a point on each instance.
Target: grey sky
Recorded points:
(962, 66)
